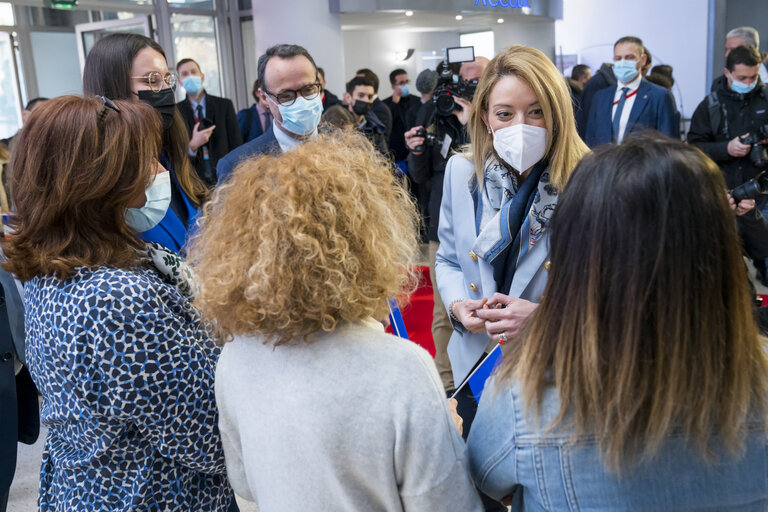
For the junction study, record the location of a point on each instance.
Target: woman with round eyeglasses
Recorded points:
(133, 67)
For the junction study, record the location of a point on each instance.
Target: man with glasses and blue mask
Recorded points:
(206, 114)
(633, 103)
(291, 88)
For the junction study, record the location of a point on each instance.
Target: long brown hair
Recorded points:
(73, 179)
(107, 72)
(646, 324)
(564, 146)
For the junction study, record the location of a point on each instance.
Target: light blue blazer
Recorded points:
(458, 272)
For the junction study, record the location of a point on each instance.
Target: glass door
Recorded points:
(10, 100)
(89, 33)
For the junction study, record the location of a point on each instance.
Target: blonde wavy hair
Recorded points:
(564, 146)
(298, 243)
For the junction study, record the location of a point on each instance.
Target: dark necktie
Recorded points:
(617, 115)
(199, 114)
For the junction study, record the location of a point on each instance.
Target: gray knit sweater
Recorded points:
(355, 421)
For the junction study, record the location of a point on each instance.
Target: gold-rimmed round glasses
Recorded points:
(156, 81)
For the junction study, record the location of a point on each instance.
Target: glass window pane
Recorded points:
(6, 14)
(120, 15)
(10, 109)
(192, 4)
(45, 17)
(244, 5)
(90, 38)
(249, 54)
(56, 63)
(194, 37)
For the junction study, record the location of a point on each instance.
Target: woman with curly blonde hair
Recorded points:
(320, 408)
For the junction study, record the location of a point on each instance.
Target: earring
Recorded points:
(489, 130)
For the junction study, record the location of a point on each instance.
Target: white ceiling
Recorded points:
(428, 21)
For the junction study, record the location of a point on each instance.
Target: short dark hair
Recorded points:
(321, 71)
(647, 53)
(660, 79)
(663, 69)
(358, 81)
(284, 51)
(370, 75)
(578, 71)
(742, 55)
(393, 75)
(631, 39)
(187, 61)
(34, 101)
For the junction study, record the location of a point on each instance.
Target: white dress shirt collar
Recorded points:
(286, 142)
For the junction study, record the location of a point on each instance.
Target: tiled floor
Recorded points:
(23, 496)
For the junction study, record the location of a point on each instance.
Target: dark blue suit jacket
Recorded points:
(249, 120)
(20, 419)
(263, 145)
(653, 108)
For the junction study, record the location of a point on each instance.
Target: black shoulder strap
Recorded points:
(715, 113)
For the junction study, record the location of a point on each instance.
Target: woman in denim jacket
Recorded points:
(640, 381)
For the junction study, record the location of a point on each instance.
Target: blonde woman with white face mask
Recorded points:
(498, 199)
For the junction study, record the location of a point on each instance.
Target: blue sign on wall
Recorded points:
(503, 3)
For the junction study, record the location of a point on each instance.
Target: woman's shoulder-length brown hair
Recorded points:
(74, 177)
(646, 324)
(298, 243)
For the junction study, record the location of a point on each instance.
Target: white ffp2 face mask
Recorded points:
(520, 145)
(158, 200)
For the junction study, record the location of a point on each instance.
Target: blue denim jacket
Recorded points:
(547, 471)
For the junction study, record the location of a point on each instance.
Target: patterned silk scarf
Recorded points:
(502, 207)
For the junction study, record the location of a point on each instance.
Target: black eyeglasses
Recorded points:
(155, 80)
(288, 98)
(108, 104)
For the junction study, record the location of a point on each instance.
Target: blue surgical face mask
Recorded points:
(158, 200)
(741, 87)
(405, 90)
(303, 116)
(625, 70)
(192, 84)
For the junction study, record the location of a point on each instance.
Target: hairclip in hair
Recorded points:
(108, 103)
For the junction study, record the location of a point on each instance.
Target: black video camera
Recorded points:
(429, 139)
(450, 85)
(758, 154)
(752, 189)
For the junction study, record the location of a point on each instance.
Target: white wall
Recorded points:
(539, 34)
(376, 50)
(675, 32)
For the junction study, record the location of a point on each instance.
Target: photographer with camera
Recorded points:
(440, 129)
(731, 126)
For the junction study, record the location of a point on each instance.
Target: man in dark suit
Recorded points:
(20, 419)
(599, 81)
(399, 104)
(291, 88)
(255, 120)
(633, 104)
(204, 111)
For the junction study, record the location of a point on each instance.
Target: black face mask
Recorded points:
(163, 101)
(361, 107)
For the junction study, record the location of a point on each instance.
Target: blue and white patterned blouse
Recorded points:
(126, 376)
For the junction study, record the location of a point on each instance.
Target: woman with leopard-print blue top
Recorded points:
(124, 365)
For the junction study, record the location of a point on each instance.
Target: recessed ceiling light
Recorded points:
(500, 20)
(409, 13)
(459, 17)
